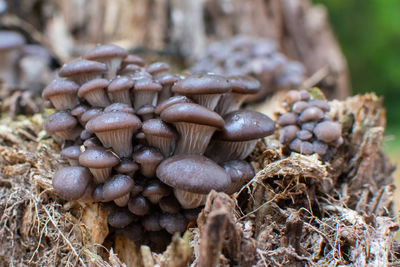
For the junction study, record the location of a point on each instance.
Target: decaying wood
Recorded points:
(300, 29)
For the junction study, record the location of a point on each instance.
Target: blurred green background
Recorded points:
(369, 34)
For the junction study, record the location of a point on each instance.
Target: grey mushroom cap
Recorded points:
(173, 223)
(119, 107)
(82, 66)
(113, 121)
(139, 205)
(148, 158)
(120, 217)
(192, 113)
(328, 131)
(70, 183)
(193, 173)
(147, 84)
(120, 83)
(62, 122)
(157, 127)
(71, 152)
(60, 86)
(98, 158)
(117, 186)
(127, 167)
(245, 125)
(202, 84)
(167, 79)
(133, 59)
(158, 67)
(93, 85)
(243, 84)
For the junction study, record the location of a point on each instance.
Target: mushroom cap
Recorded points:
(98, 158)
(127, 166)
(173, 223)
(71, 152)
(117, 186)
(90, 114)
(147, 84)
(155, 187)
(60, 121)
(120, 83)
(59, 86)
(202, 84)
(113, 121)
(79, 110)
(147, 155)
(243, 84)
(10, 39)
(91, 85)
(106, 51)
(71, 182)
(167, 78)
(193, 173)
(129, 69)
(81, 66)
(171, 101)
(145, 110)
(245, 125)
(192, 113)
(120, 217)
(133, 59)
(328, 131)
(158, 67)
(119, 107)
(157, 127)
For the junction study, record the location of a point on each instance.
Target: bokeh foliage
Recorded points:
(369, 33)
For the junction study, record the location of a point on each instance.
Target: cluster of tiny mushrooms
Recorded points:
(150, 143)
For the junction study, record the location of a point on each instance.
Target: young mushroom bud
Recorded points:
(160, 135)
(195, 124)
(151, 222)
(62, 125)
(90, 114)
(115, 130)
(81, 70)
(139, 205)
(148, 158)
(171, 101)
(62, 94)
(133, 59)
(120, 90)
(146, 112)
(242, 86)
(192, 177)
(120, 217)
(155, 190)
(118, 188)
(169, 204)
(70, 183)
(71, 153)
(128, 167)
(95, 92)
(100, 162)
(173, 223)
(240, 134)
(158, 68)
(111, 55)
(205, 90)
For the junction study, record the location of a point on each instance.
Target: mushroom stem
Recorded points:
(189, 200)
(165, 144)
(194, 138)
(209, 101)
(122, 96)
(230, 102)
(100, 175)
(122, 201)
(229, 150)
(117, 139)
(143, 98)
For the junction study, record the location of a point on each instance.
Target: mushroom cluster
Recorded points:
(306, 128)
(148, 142)
(257, 57)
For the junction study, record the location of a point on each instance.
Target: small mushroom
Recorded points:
(288, 133)
(62, 125)
(128, 167)
(205, 90)
(155, 190)
(167, 81)
(240, 134)
(120, 217)
(157, 68)
(62, 94)
(115, 130)
(71, 153)
(151, 222)
(95, 92)
(70, 183)
(133, 59)
(78, 112)
(119, 89)
(145, 92)
(240, 173)
(287, 119)
(173, 223)
(311, 114)
(328, 131)
(169, 204)
(111, 55)
(146, 112)
(148, 158)
(160, 135)
(195, 124)
(90, 114)
(242, 87)
(82, 70)
(139, 205)
(192, 177)
(171, 101)
(118, 188)
(100, 162)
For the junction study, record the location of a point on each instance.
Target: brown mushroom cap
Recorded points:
(133, 59)
(71, 152)
(192, 113)
(158, 67)
(157, 127)
(167, 79)
(243, 84)
(120, 217)
(245, 125)
(113, 121)
(193, 173)
(155, 190)
(117, 186)
(70, 183)
(104, 52)
(173, 223)
(60, 121)
(119, 107)
(98, 158)
(92, 85)
(171, 101)
(328, 131)
(59, 87)
(82, 66)
(119, 84)
(147, 84)
(139, 205)
(202, 84)
(148, 159)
